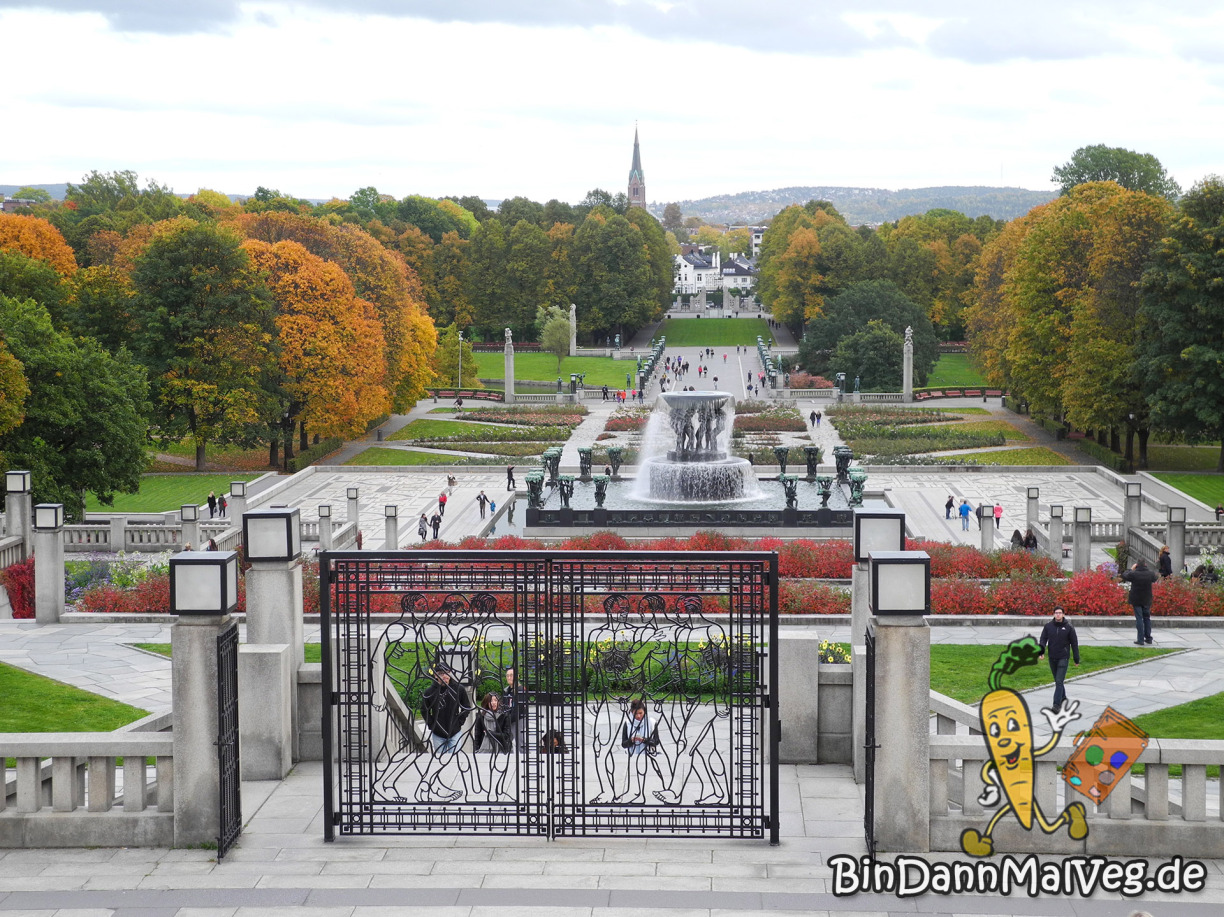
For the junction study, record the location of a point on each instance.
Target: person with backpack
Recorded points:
(1141, 579)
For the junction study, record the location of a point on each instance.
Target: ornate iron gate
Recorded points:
(415, 644)
(230, 823)
(870, 746)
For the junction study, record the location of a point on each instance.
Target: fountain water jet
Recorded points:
(698, 468)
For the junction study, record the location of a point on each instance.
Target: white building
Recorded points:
(697, 271)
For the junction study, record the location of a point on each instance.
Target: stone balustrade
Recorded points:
(879, 397)
(90, 536)
(1156, 813)
(73, 801)
(152, 539)
(12, 550)
(1199, 535)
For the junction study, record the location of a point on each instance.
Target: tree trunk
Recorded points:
(314, 441)
(1130, 443)
(274, 453)
(1102, 438)
(1144, 433)
(201, 450)
(1220, 460)
(303, 439)
(1115, 442)
(288, 437)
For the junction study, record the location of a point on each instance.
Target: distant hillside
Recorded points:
(865, 205)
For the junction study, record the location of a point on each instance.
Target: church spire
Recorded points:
(637, 178)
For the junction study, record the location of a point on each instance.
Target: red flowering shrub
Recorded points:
(625, 422)
(1031, 595)
(1094, 592)
(815, 559)
(18, 581)
(804, 597)
(958, 596)
(151, 596)
(512, 543)
(805, 380)
(1178, 597)
(595, 541)
(1003, 564)
(715, 541)
(952, 559)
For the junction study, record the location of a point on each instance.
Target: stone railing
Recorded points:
(79, 805)
(1199, 535)
(87, 537)
(1101, 531)
(152, 539)
(1157, 814)
(803, 394)
(12, 551)
(878, 397)
(542, 399)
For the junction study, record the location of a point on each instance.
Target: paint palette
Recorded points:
(1103, 754)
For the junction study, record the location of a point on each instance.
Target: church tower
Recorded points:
(637, 180)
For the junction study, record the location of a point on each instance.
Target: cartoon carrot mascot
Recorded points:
(1009, 736)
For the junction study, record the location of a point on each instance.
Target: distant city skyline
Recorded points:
(321, 98)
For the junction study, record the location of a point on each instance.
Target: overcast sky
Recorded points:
(539, 98)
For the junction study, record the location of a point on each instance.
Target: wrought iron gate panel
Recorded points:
(230, 820)
(589, 634)
(870, 746)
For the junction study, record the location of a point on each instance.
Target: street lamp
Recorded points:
(272, 534)
(900, 582)
(460, 385)
(876, 531)
(204, 583)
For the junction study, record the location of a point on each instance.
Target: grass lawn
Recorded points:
(954, 370)
(313, 651)
(960, 671)
(233, 457)
(714, 332)
(36, 704)
(1183, 458)
(376, 455)
(1208, 488)
(428, 428)
(1010, 433)
(542, 367)
(1036, 455)
(1199, 719)
(165, 492)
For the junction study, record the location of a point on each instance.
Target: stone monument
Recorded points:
(509, 367)
(907, 370)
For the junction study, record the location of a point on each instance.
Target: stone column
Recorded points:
(1032, 507)
(1132, 508)
(1081, 540)
(267, 720)
(391, 533)
(1175, 536)
(118, 533)
(798, 695)
(325, 533)
(48, 575)
(509, 369)
(274, 618)
(902, 730)
(1056, 533)
(860, 615)
(237, 503)
(907, 372)
(18, 507)
(197, 773)
(354, 506)
(573, 348)
(191, 531)
(987, 519)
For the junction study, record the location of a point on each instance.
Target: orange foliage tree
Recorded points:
(330, 342)
(36, 238)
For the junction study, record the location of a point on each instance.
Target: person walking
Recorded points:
(819, 417)
(510, 477)
(222, 505)
(436, 522)
(964, 510)
(1141, 579)
(998, 514)
(212, 504)
(812, 418)
(948, 507)
(442, 503)
(1164, 563)
(483, 502)
(444, 708)
(423, 527)
(605, 393)
(1058, 637)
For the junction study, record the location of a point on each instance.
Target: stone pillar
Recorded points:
(1132, 508)
(354, 506)
(391, 533)
(1175, 536)
(907, 372)
(902, 730)
(1032, 507)
(860, 615)
(197, 773)
(987, 520)
(1081, 540)
(48, 575)
(509, 371)
(274, 618)
(118, 533)
(798, 694)
(18, 508)
(191, 534)
(325, 533)
(1056, 534)
(573, 348)
(267, 726)
(237, 503)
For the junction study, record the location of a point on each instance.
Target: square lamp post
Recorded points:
(877, 530)
(272, 535)
(325, 527)
(1177, 514)
(1056, 512)
(17, 482)
(900, 582)
(189, 512)
(1134, 489)
(204, 583)
(1083, 514)
(1033, 493)
(352, 493)
(48, 517)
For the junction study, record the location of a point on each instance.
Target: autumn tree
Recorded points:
(14, 390)
(1182, 350)
(525, 285)
(331, 371)
(36, 238)
(1136, 171)
(99, 305)
(796, 283)
(202, 324)
(447, 358)
(86, 412)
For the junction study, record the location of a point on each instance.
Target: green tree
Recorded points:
(447, 291)
(23, 277)
(556, 211)
(14, 390)
(86, 415)
(202, 322)
(528, 251)
(486, 284)
(1136, 171)
(875, 355)
(513, 209)
(100, 306)
(554, 330)
(673, 218)
(850, 311)
(617, 290)
(1182, 350)
(447, 357)
(30, 193)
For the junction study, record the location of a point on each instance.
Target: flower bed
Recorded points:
(627, 420)
(571, 418)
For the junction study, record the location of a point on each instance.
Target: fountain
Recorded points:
(698, 468)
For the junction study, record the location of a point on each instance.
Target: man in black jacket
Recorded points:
(1141, 578)
(444, 708)
(1059, 639)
